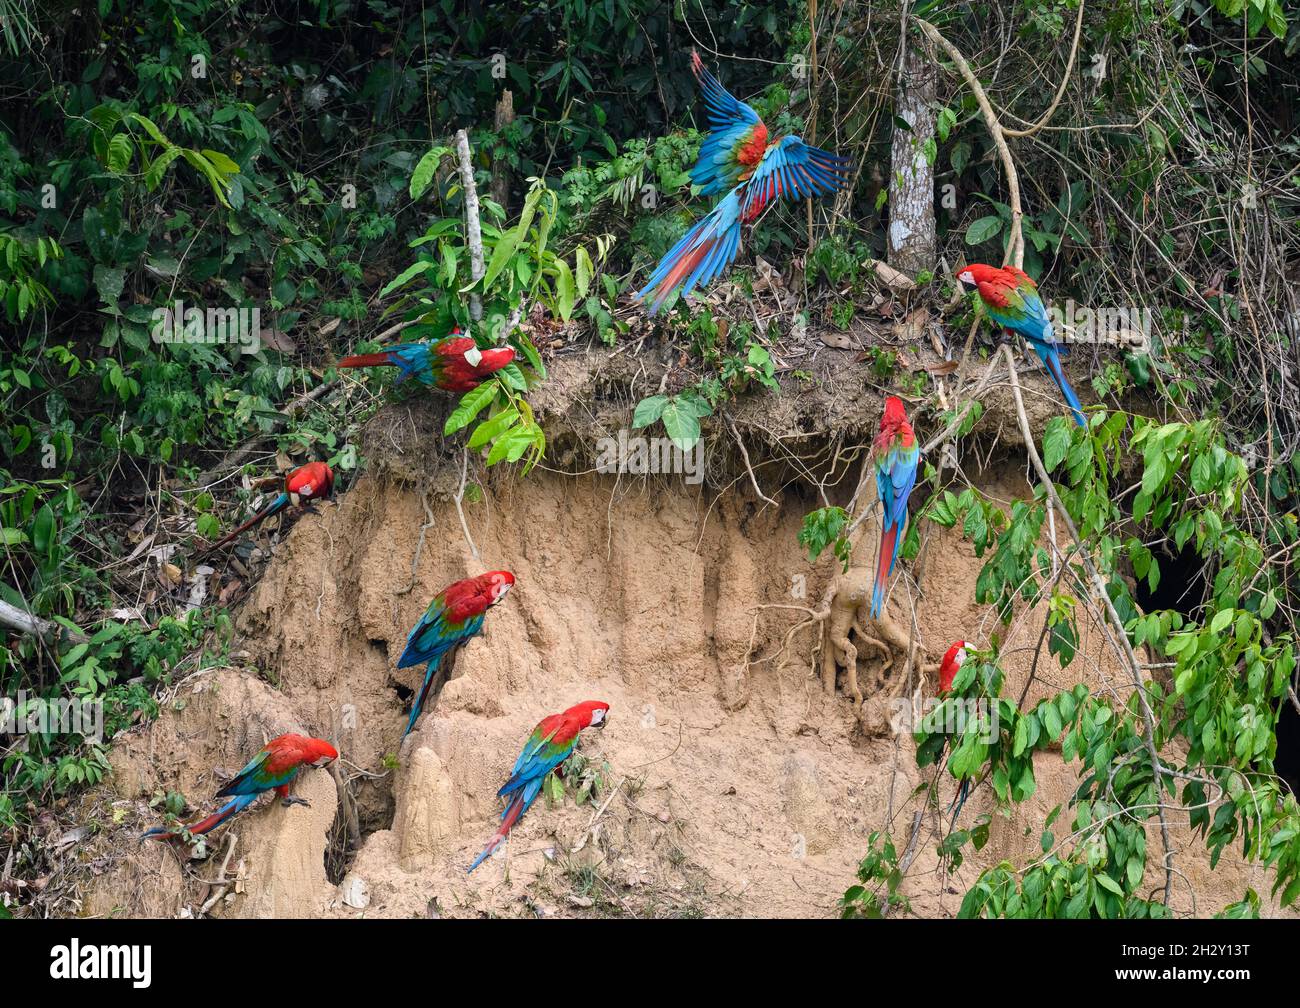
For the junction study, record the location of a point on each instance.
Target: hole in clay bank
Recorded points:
(1181, 586)
(1287, 761)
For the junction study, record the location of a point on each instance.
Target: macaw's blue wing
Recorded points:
(541, 754)
(732, 126)
(435, 634)
(253, 779)
(1025, 314)
(794, 170)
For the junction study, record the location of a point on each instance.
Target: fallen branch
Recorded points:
(24, 622)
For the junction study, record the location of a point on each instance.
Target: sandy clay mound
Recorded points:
(724, 787)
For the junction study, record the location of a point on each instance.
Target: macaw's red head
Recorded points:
(320, 753)
(495, 584)
(971, 276)
(589, 713)
(310, 482)
(951, 665)
(474, 595)
(494, 360)
(895, 415)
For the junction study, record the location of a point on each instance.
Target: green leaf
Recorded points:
(119, 153)
(648, 410)
(43, 529)
(109, 282)
(471, 404)
(493, 428)
(425, 169)
(221, 162)
(1056, 442)
(565, 291)
(681, 423)
(983, 229)
(404, 277)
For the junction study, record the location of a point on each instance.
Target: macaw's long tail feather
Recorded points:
(702, 253)
(963, 792)
(231, 808)
(275, 506)
(884, 567)
(430, 672)
(518, 804)
(368, 360)
(1053, 363)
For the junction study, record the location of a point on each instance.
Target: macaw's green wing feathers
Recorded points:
(545, 749)
(794, 170)
(1018, 308)
(251, 779)
(436, 633)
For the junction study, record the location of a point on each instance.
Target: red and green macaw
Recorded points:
(310, 482)
(737, 158)
(453, 364)
(1011, 299)
(896, 454)
(274, 768)
(550, 744)
(454, 616)
(952, 662)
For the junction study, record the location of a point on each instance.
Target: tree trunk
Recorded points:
(912, 243)
(500, 171)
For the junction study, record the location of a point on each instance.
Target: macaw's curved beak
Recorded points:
(603, 721)
(968, 285)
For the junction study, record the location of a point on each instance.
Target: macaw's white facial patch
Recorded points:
(473, 355)
(306, 491)
(965, 277)
(597, 716)
(499, 592)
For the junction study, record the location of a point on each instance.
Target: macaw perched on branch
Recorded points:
(550, 744)
(952, 662)
(275, 767)
(1011, 299)
(310, 482)
(453, 364)
(897, 454)
(738, 159)
(454, 616)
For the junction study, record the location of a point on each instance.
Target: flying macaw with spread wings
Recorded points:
(897, 455)
(738, 159)
(453, 364)
(454, 616)
(309, 482)
(274, 768)
(550, 744)
(1011, 299)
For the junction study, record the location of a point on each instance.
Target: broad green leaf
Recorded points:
(648, 410)
(983, 229)
(425, 169)
(471, 404)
